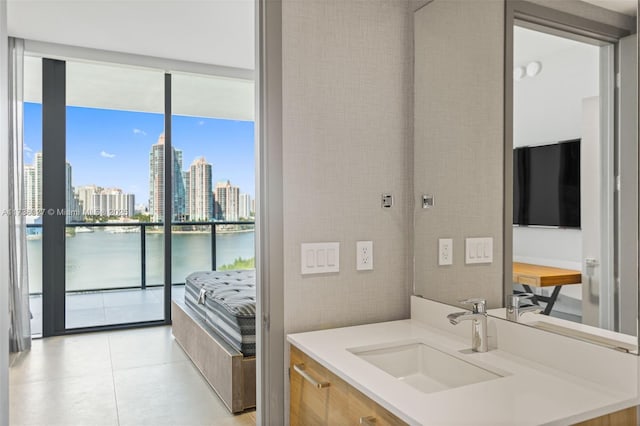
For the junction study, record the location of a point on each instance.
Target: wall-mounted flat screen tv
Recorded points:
(546, 185)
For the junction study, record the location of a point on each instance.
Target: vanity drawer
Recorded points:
(364, 411)
(312, 404)
(319, 397)
(619, 418)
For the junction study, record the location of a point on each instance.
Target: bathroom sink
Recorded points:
(424, 367)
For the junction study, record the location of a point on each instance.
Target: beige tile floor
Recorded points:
(133, 377)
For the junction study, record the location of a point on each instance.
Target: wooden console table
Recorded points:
(528, 275)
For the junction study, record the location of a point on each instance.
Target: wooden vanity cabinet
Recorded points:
(322, 398)
(339, 404)
(627, 417)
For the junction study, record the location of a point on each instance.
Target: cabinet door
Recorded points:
(364, 411)
(619, 418)
(311, 405)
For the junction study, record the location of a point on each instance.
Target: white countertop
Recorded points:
(530, 393)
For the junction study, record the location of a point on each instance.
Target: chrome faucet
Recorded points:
(478, 318)
(514, 310)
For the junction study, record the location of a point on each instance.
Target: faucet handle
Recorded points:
(478, 305)
(517, 298)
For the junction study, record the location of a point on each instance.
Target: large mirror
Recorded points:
(526, 162)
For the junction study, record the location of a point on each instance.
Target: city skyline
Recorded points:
(110, 148)
(194, 197)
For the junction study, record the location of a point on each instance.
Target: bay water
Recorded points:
(103, 260)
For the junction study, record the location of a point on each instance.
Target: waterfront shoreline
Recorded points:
(102, 260)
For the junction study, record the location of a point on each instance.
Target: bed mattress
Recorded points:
(226, 302)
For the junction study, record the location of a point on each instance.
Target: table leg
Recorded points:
(534, 299)
(552, 300)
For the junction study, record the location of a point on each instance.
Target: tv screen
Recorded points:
(546, 185)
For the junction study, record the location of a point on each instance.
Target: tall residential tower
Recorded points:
(227, 199)
(156, 182)
(200, 195)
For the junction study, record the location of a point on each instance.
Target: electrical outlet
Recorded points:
(364, 255)
(445, 251)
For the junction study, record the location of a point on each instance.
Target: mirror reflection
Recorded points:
(570, 163)
(573, 191)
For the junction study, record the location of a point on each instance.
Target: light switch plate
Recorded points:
(319, 258)
(479, 250)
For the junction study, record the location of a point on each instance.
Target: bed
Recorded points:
(215, 325)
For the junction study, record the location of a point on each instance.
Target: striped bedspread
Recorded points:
(226, 301)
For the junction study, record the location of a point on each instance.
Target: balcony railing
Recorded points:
(142, 228)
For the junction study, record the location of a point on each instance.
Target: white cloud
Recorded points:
(26, 148)
(201, 123)
(105, 154)
(139, 132)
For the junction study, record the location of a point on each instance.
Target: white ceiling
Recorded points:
(218, 32)
(627, 7)
(532, 45)
(211, 32)
(136, 89)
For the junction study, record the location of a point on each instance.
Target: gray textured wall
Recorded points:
(347, 93)
(459, 143)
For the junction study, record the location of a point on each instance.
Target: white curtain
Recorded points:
(20, 317)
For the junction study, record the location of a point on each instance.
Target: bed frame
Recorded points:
(228, 371)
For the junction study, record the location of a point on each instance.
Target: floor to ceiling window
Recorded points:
(111, 183)
(214, 178)
(114, 115)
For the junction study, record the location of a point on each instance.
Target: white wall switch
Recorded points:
(479, 250)
(319, 258)
(364, 255)
(445, 251)
(310, 257)
(331, 257)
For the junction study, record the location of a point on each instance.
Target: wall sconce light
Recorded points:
(533, 68)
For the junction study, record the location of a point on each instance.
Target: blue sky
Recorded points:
(111, 148)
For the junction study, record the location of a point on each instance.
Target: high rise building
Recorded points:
(244, 210)
(179, 188)
(156, 182)
(33, 189)
(30, 192)
(85, 197)
(72, 204)
(37, 163)
(200, 195)
(33, 183)
(96, 201)
(227, 201)
(187, 190)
